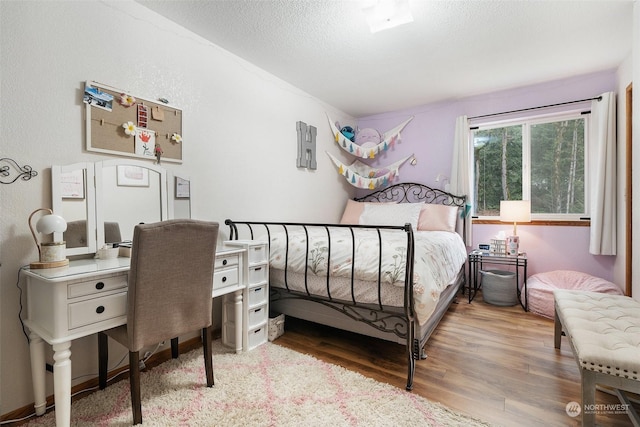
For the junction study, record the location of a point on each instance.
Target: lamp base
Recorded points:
(49, 264)
(513, 245)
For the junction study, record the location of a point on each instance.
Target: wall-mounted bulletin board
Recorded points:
(121, 123)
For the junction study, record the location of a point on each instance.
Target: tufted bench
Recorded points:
(604, 333)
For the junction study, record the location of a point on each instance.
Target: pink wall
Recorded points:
(429, 137)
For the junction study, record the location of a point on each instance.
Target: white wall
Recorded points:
(239, 135)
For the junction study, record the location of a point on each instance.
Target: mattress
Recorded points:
(439, 255)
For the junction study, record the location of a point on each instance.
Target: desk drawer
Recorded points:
(104, 284)
(224, 261)
(97, 310)
(225, 277)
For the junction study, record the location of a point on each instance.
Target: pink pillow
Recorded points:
(438, 218)
(352, 211)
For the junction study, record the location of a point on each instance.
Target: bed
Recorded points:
(389, 269)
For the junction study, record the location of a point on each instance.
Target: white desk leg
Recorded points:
(62, 382)
(38, 372)
(240, 332)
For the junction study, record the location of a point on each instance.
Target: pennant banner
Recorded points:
(388, 139)
(361, 175)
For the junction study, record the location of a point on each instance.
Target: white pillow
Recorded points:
(391, 214)
(438, 218)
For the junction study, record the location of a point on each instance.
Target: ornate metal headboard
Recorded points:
(409, 192)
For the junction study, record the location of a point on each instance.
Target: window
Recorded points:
(537, 159)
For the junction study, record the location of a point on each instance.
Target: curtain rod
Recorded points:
(599, 98)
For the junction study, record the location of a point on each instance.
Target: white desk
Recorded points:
(89, 296)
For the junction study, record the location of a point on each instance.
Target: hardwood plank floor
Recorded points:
(494, 363)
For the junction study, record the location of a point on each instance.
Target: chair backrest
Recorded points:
(170, 280)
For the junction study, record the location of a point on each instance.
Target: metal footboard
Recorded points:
(397, 320)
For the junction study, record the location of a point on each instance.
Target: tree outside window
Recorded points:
(542, 160)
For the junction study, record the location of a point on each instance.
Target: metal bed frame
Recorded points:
(398, 321)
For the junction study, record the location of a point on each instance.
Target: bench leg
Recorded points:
(588, 397)
(557, 332)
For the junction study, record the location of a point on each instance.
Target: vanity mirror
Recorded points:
(103, 201)
(129, 192)
(74, 200)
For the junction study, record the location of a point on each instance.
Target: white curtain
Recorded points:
(461, 170)
(602, 173)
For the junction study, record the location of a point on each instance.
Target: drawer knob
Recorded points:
(224, 279)
(100, 285)
(224, 262)
(100, 309)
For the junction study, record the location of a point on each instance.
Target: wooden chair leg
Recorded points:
(103, 359)
(208, 356)
(134, 380)
(174, 348)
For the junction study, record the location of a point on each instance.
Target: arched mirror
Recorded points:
(129, 192)
(73, 198)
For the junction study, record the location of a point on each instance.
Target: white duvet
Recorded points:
(439, 255)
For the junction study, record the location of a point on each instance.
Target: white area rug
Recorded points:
(268, 386)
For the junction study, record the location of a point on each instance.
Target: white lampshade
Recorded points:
(48, 224)
(515, 211)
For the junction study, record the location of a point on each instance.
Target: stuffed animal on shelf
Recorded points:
(347, 131)
(368, 137)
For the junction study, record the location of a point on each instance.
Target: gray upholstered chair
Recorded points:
(170, 294)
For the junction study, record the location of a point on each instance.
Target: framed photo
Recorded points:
(183, 190)
(133, 176)
(72, 184)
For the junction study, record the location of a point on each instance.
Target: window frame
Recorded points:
(526, 122)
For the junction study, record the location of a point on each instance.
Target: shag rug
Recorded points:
(268, 386)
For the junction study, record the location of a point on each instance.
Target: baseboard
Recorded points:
(115, 375)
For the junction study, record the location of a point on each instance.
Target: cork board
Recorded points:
(156, 124)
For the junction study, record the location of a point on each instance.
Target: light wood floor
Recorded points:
(493, 363)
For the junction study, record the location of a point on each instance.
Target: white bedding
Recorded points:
(439, 255)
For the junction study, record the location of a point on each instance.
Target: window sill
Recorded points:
(561, 223)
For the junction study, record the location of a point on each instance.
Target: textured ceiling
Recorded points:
(452, 49)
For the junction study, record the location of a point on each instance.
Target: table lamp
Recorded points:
(51, 254)
(514, 211)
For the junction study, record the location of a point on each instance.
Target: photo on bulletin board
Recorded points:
(183, 189)
(133, 176)
(145, 142)
(97, 98)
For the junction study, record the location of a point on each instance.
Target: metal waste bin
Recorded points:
(499, 287)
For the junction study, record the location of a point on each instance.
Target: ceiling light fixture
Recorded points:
(386, 14)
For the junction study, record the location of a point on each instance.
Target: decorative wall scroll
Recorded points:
(367, 144)
(10, 171)
(119, 123)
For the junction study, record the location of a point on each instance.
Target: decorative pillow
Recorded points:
(391, 214)
(438, 218)
(353, 210)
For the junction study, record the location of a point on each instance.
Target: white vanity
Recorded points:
(89, 295)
